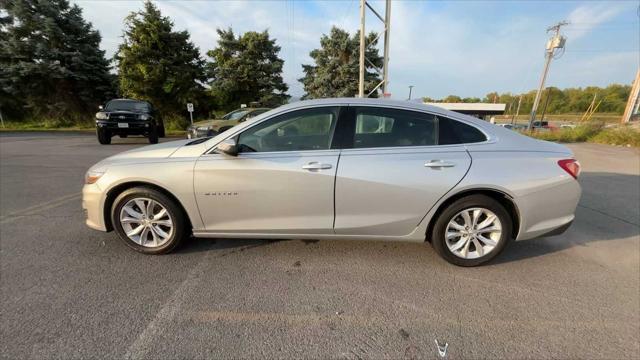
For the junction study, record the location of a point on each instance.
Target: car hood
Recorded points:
(145, 153)
(214, 123)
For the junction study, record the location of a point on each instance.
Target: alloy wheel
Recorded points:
(473, 233)
(146, 222)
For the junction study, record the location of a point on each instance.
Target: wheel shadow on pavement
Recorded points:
(609, 210)
(193, 245)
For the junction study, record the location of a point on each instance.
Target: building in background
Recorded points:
(480, 110)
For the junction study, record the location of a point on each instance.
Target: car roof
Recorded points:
(131, 100)
(408, 105)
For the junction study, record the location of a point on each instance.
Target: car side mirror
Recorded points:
(228, 146)
(100, 107)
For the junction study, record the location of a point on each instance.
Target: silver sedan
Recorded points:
(341, 169)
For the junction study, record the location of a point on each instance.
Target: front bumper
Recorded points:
(92, 205)
(194, 133)
(138, 127)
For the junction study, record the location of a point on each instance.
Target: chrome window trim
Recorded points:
(490, 139)
(237, 132)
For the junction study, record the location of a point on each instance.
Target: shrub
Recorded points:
(591, 132)
(620, 136)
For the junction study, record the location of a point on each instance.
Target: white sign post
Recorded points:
(190, 110)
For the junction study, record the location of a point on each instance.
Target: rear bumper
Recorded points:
(548, 212)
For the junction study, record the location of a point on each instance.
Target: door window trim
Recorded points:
(339, 107)
(351, 117)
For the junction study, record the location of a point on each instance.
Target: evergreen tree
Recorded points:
(245, 69)
(158, 64)
(51, 64)
(336, 69)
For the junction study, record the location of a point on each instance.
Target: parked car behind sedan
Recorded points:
(342, 169)
(208, 128)
(124, 117)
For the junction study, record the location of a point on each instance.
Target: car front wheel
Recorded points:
(104, 137)
(148, 221)
(472, 230)
(153, 134)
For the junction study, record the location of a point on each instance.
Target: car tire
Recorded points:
(223, 129)
(153, 135)
(473, 238)
(104, 137)
(164, 222)
(161, 130)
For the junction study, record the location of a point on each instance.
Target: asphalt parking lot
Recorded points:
(71, 292)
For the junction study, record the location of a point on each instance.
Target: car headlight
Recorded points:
(144, 117)
(102, 115)
(93, 175)
(205, 128)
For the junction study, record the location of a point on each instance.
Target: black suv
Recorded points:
(125, 117)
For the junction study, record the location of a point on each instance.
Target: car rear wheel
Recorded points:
(161, 130)
(472, 230)
(104, 137)
(148, 221)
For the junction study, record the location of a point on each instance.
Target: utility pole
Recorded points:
(546, 103)
(555, 42)
(386, 20)
(362, 49)
(410, 88)
(634, 100)
(513, 120)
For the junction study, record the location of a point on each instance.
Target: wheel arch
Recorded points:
(113, 193)
(500, 196)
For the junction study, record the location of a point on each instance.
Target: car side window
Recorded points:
(382, 127)
(307, 129)
(455, 132)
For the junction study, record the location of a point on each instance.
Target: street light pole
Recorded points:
(410, 88)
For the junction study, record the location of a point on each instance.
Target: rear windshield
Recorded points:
(127, 105)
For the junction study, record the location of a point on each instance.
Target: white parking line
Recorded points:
(40, 207)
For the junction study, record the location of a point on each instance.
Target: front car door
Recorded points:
(281, 182)
(399, 164)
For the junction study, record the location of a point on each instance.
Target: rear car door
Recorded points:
(281, 182)
(393, 169)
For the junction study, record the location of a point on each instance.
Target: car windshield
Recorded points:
(235, 115)
(127, 105)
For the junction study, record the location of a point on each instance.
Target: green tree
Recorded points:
(452, 99)
(336, 69)
(158, 64)
(51, 65)
(245, 69)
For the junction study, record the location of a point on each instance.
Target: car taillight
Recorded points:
(571, 166)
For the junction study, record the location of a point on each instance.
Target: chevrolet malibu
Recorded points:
(341, 169)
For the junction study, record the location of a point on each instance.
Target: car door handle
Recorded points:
(439, 164)
(314, 165)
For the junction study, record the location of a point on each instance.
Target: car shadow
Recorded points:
(208, 244)
(609, 210)
(608, 215)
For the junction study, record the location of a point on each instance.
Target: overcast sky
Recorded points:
(466, 48)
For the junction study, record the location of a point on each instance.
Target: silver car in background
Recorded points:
(342, 169)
